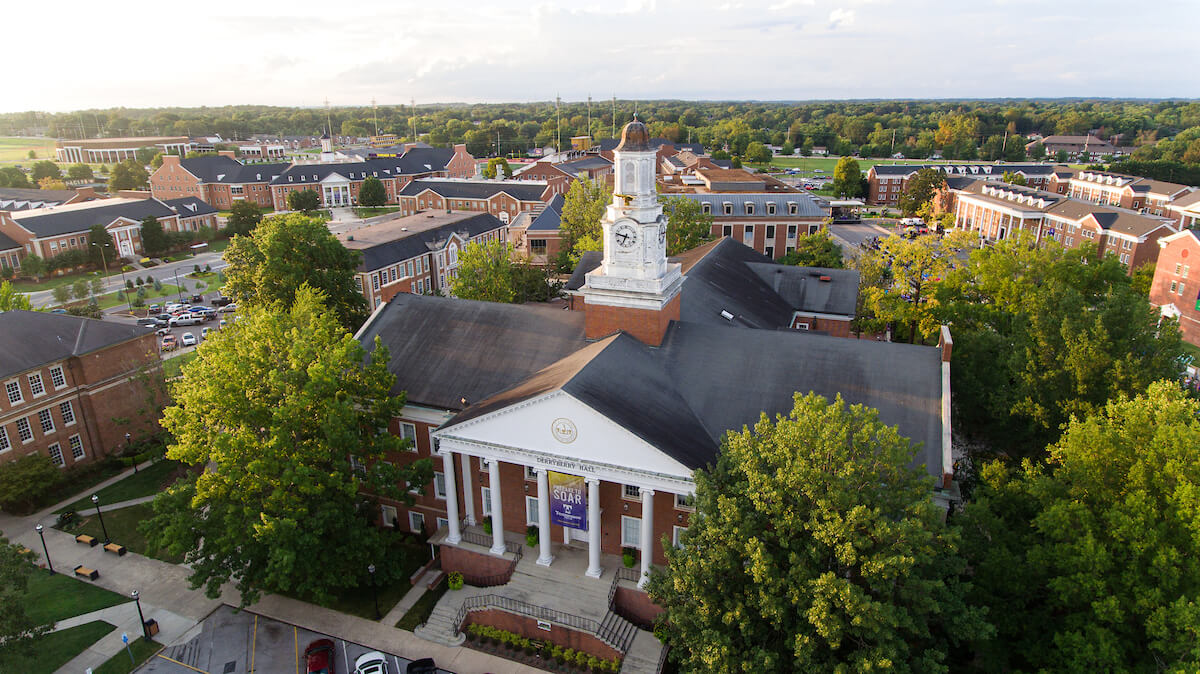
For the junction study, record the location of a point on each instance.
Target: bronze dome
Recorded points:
(635, 137)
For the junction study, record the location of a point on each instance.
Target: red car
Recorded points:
(318, 657)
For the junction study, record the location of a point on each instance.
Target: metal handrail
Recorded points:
(610, 635)
(662, 659)
(476, 538)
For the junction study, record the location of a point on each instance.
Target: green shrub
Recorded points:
(487, 525)
(531, 535)
(454, 581)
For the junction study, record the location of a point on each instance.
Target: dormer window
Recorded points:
(706, 208)
(728, 208)
(770, 209)
(749, 208)
(793, 208)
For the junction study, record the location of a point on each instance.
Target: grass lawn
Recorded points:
(420, 611)
(146, 482)
(1193, 351)
(50, 283)
(208, 278)
(15, 150)
(368, 211)
(77, 481)
(173, 367)
(122, 528)
(152, 296)
(57, 649)
(60, 596)
(809, 164)
(119, 663)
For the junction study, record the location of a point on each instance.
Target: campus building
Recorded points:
(886, 182)
(416, 253)
(535, 234)
(1131, 192)
(1176, 288)
(25, 199)
(115, 150)
(587, 424)
(1083, 149)
(218, 179)
(68, 383)
(502, 198)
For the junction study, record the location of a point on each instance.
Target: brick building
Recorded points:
(22, 199)
(337, 184)
(1176, 288)
(1083, 149)
(502, 198)
(73, 387)
(885, 182)
(1131, 192)
(115, 150)
(416, 253)
(51, 231)
(535, 234)
(218, 179)
(588, 424)
(559, 175)
(1000, 211)
(1185, 210)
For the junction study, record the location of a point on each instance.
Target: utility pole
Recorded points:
(893, 142)
(589, 129)
(614, 116)
(375, 114)
(329, 120)
(557, 125)
(413, 118)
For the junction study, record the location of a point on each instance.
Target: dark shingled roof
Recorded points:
(718, 277)
(416, 243)
(21, 198)
(551, 217)
(71, 219)
(803, 289)
(521, 190)
(7, 243)
(189, 207)
(587, 262)
(976, 170)
(598, 376)
(444, 349)
(30, 339)
(222, 169)
(730, 375)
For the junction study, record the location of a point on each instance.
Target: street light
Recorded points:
(39, 528)
(178, 288)
(374, 590)
(96, 502)
(103, 257)
(142, 618)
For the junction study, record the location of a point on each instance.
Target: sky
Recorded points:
(301, 52)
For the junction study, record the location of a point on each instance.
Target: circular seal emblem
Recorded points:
(564, 430)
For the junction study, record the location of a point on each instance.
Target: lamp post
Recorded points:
(39, 528)
(141, 618)
(135, 468)
(374, 590)
(178, 288)
(96, 502)
(103, 258)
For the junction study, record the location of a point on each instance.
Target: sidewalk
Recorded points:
(167, 597)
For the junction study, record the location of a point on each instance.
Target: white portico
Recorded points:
(557, 433)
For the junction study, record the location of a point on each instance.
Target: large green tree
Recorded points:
(372, 193)
(155, 241)
(816, 548)
(919, 190)
(288, 416)
(582, 209)
(11, 176)
(128, 175)
(286, 252)
(18, 631)
(1044, 333)
(815, 250)
(25, 480)
(101, 247)
(688, 225)
(305, 201)
(244, 216)
(80, 172)
(1088, 561)
(45, 169)
(486, 271)
(848, 178)
(33, 266)
(11, 299)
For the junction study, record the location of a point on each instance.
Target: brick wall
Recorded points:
(1181, 252)
(527, 627)
(647, 326)
(635, 606)
(467, 561)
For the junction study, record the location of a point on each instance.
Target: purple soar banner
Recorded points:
(568, 500)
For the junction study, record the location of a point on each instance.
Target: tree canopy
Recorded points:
(816, 548)
(486, 271)
(1088, 560)
(289, 418)
(80, 172)
(11, 176)
(919, 190)
(848, 178)
(582, 210)
(286, 252)
(815, 250)
(18, 631)
(128, 175)
(155, 241)
(497, 165)
(305, 201)
(372, 193)
(10, 299)
(688, 225)
(244, 216)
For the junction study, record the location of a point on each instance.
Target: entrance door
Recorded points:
(577, 535)
(126, 247)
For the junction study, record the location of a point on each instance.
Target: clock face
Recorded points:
(625, 235)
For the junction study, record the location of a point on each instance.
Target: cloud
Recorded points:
(840, 17)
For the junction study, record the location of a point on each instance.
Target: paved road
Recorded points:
(164, 273)
(855, 234)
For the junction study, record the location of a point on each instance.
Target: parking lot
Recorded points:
(178, 332)
(232, 642)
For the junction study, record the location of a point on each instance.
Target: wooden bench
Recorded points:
(84, 572)
(84, 538)
(115, 548)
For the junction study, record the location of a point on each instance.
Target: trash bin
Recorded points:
(152, 627)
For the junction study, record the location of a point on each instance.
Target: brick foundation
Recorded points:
(472, 563)
(635, 606)
(528, 628)
(649, 327)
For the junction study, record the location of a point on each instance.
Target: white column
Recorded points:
(497, 508)
(468, 490)
(455, 536)
(543, 480)
(647, 534)
(594, 569)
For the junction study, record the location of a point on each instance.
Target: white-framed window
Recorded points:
(388, 514)
(56, 455)
(439, 484)
(685, 501)
(5, 444)
(1181, 288)
(24, 430)
(530, 473)
(1174, 285)
(675, 533)
(791, 231)
(46, 420)
(631, 492)
(13, 388)
(57, 378)
(433, 443)
(631, 532)
(357, 466)
(442, 522)
(68, 413)
(483, 463)
(531, 510)
(36, 386)
(485, 496)
(409, 432)
(416, 522)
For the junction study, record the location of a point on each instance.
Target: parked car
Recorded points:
(169, 343)
(155, 308)
(188, 339)
(319, 657)
(422, 666)
(205, 332)
(161, 332)
(228, 308)
(197, 310)
(197, 299)
(58, 311)
(222, 323)
(164, 317)
(220, 301)
(152, 322)
(185, 319)
(174, 306)
(371, 663)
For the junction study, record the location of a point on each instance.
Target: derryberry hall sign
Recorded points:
(568, 500)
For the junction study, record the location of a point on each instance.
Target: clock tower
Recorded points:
(635, 288)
